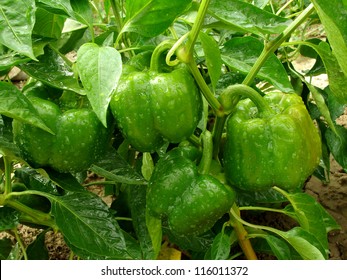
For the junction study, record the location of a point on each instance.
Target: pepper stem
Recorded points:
(232, 94)
(163, 46)
(207, 145)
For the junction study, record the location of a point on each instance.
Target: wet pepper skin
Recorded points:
(280, 147)
(190, 202)
(152, 107)
(79, 138)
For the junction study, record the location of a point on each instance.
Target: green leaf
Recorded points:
(322, 106)
(131, 244)
(309, 213)
(200, 243)
(5, 248)
(247, 17)
(212, 57)
(269, 244)
(48, 24)
(147, 166)
(74, 34)
(16, 253)
(7, 147)
(155, 232)
(17, 20)
(259, 197)
(82, 12)
(99, 69)
(279, 247)
(14, 104)
(333, 15)
(52, 70)
(61, 7)
(221, 247)
(336, 108)
(37, 250)
(7, 60)
(137, 203)
(87, 224)
(79, 10)
(337, 78)
(66, 181)
(241, 53)
(34, 180)
(338, 144)
(113, 167)
(304, 243)
(152, 17)
(9, 218)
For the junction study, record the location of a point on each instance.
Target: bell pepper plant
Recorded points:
(187, 114)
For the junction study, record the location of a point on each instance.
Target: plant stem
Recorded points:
(284, 7)
(66, 60)
(231, 95)
(242, 234)
(116, 14)
(217, 135)
(211, 99)
(194, 33)
(195, 140)
(185, 55)
(8, 170)
(271, 46)
(163, 46)
(96, 10)
(207, 145)
(99, 183)
(258, 208)
(20, 242)
(32, 215)
(237, 217)
(124, 219)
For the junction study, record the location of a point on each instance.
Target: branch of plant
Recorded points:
(163, 46)
(265, 228)
(284, 7)
(271, 46)
(32, 215)
(66, 60)
(194, 33)
(211, 99)
(96, 10)
(116, 13)
(99, 183)
(217, 135)
(195, 140)
(259, 208)
(207, 146)
(242, 234)
(20, 243)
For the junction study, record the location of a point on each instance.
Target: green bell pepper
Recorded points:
(79, 136)
(151, 108)
(271, 141)
(189, 202)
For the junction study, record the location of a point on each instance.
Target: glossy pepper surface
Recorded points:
(79, 137)
(151, 108)
(190, 202)
(272, 143)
